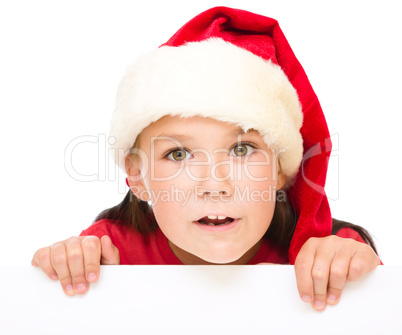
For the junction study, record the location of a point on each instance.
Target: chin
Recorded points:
(221, 257)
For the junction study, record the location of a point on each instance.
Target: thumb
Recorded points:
(109, 252)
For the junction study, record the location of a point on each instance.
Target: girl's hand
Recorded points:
(323, 265)
(76, 261)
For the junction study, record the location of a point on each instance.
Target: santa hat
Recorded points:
(237, 67)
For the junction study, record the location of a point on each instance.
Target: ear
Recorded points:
(135, 180)
(281, 181)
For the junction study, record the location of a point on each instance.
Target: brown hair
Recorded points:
(131, 212)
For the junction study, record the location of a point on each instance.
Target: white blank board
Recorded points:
(159, 299)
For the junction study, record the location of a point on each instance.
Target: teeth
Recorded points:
(214, 217)
(210, 224)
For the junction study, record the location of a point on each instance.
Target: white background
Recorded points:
(195, 299)
(61, 62)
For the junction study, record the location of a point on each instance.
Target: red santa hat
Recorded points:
(237, 67)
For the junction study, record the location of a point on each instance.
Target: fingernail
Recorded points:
(54, 277)
(81, 288)
(92, 276)
(69, 290)
(306, 298)
(319, 304)
(331, 298)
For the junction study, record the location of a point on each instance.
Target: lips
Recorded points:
(215, 220)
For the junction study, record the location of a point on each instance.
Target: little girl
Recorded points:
(226, 151)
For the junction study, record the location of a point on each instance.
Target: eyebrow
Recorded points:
(178, 137)
(182, 137)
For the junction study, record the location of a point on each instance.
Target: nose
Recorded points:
(213, 193)
(214, 179)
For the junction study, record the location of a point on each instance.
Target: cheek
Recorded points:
(260, 215)
(171, 223)
(259, 168)
(259, 197)
(167, 176)
(165, 170)
(259, 186)
(264, 209)
(169, 196)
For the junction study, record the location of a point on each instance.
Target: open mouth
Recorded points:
(213, 220)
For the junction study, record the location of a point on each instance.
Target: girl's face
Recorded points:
(212, 187)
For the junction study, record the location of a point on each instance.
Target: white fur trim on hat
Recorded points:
(215, 79)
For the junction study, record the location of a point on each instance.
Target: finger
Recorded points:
(303, 265)
(364, 260)
(356, 268)
(338, 274)
(41, 259)
(320, 275)
(92, 251)
(75, 260)
(58, 258)
(110, 253)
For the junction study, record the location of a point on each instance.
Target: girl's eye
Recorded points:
(179, 155)
(242, 149)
